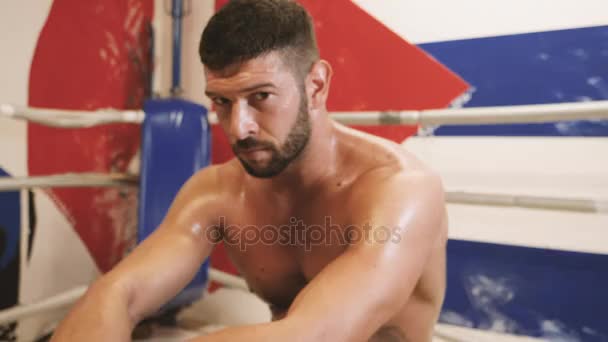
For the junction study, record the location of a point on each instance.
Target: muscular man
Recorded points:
(342, 233)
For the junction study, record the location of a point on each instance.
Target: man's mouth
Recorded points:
(252, 152)
(252, 149)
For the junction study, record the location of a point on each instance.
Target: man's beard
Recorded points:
(296, 141)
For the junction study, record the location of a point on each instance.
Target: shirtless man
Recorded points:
(381, 277)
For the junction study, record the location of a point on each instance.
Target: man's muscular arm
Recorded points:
(153, 273)
(357, 293)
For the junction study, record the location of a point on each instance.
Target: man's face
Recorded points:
(263, 110)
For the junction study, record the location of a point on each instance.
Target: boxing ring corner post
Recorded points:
(175, 130)
(177, 14)
(172, 129)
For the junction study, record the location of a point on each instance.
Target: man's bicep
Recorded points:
(407, 217)
(399, 225)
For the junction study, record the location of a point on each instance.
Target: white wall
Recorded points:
(19, 29)
(18, 37)
(439, 20)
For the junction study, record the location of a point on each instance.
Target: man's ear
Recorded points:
(317, 84)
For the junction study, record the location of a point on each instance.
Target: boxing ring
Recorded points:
(170, 123)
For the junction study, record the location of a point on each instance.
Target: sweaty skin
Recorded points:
(381, 275)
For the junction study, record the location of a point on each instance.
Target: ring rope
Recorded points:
(594, 110)
(583, 205)
(56, 302)
(62, 118)
(69, 180)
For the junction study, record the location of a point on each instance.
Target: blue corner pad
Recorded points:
(176, 143)
(10, 226)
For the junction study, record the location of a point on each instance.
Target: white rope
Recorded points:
(584, 205)
(594, 110)
(56, 302)
(69, 180)
(71, 118)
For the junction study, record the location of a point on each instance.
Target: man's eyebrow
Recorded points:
(257, 86)
(245, 90)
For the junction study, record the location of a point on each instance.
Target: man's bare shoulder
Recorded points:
(380, 159)
(397, 189)
(219, 179)
(397, 182)
(210, 187)
(387, 170)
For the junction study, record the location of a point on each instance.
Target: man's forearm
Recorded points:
(100, 315)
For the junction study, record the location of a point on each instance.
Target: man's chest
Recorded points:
(279, 253)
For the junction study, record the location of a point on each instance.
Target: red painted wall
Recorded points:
(92, 54)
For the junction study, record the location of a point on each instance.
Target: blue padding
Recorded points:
(176, 143)
(10, 229)
(557, 295)
(10, 220)
(532, 68)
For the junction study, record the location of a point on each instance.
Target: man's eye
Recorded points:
(261, 96)
(220, 101)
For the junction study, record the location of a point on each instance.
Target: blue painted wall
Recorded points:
(527, 291)
(533, 68)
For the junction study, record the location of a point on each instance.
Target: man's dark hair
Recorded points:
(246, 29)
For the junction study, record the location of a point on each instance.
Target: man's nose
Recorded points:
(242, 123)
